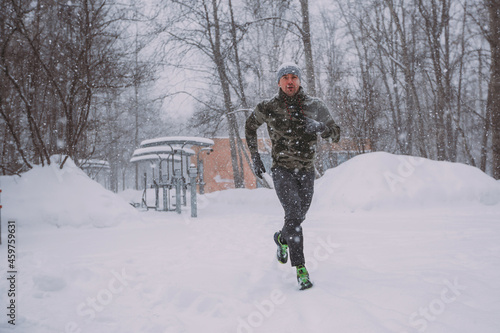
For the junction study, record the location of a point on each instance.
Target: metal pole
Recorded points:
(160, 173)
(178, 190)
(184, 192)
(200, 168)
(165, 196)
(145, 193)
(157, 195)
(194, 208)
(202, 180)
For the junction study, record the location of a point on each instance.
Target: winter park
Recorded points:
(250, 166)
(406, 245)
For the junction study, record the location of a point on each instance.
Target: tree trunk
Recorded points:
(234, 37)
(306, 39)
(435, 22)
(493, 103)
(487, 117)
(221, 70)
(413, 104)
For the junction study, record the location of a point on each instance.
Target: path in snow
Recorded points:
(378, 272)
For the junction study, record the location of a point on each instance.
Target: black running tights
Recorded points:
(295, 190)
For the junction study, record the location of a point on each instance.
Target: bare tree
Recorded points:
(207, 36)
(305, 32)
(69, 48)
(493, 103)
(436, 17)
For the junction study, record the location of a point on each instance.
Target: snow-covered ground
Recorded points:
(393, 244)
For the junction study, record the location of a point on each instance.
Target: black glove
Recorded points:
(258, 166)
(314, 127)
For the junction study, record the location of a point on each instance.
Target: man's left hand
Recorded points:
(314, 127)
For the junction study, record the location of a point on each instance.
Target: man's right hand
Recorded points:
(258, 166)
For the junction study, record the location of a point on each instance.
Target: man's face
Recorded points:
(290, 84)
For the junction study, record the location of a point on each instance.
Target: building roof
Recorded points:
(154, 157)
(182, 141)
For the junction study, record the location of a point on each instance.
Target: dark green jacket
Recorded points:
(292, 147)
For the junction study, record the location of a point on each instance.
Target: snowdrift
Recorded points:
(61, 197)
(386, 181)
(374, 181)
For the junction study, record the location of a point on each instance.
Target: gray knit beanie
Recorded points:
(288, 68)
